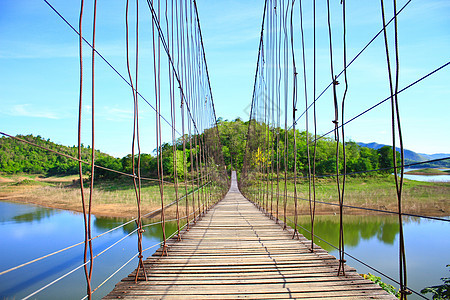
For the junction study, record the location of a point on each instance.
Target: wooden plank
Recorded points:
(236, 251)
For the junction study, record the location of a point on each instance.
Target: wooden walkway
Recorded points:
(235, 251)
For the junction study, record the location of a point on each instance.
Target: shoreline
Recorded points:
(117, 200)
(130, 211)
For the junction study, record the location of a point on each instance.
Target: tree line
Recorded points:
(266, 145)
(19, 157)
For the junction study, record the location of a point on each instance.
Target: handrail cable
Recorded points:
(376, 170)
(84, 264)
(377, 210)
(104, 233)
(84, 162)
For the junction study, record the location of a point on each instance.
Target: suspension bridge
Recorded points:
(234, 238)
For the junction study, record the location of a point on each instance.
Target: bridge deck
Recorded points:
(235, 251)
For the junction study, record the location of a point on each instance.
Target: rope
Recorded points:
(172, 115)
(395, 116)
(294, 109)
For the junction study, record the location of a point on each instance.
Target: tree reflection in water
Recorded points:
(356, 228)
(154, 231)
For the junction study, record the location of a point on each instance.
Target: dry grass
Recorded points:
(117, 198)
(110, 198)
(378, 192)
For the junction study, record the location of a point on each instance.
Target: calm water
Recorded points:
(29, 232)
(428, 178)
(374, 240)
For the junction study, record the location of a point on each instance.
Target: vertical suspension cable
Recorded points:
(306, 101)
(170, 45)
(180, 65)
(399, 184)
(157, 81)
(278, 124)
(189, 83)
(286, 101)
(272, 101)
(312, 205)
(344, 172)
(395, 120)
(135, 138)
(336, 135)
(294, 109)
(91, 184)
(80, 166)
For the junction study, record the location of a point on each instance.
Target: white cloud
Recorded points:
(27, 110)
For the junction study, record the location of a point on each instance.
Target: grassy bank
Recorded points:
(428, 171)
(429, 198)
(115, 198)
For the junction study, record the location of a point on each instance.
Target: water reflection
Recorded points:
(29, 232)
(152, 231)
(23, 213)
(356, 228)
(427, 178)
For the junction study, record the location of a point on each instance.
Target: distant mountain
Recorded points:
(435, 156)
(411, 156)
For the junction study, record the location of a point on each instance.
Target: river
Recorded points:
(428, 178)
(29, 232)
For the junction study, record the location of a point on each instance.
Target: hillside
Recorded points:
(412, 157)
(19, 157)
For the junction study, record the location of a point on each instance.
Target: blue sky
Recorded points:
(39, 70)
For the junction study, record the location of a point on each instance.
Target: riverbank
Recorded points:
(117, 198)
(109, 199)
(428, 171)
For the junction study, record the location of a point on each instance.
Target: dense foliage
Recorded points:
(387, 287)
(19, 157)
(234, 137)
(439, 292)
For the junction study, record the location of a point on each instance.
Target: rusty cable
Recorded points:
(395, 119)
(294, 109)
(80, 167)
(342, 192)
(312, 204)
(336, 137)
